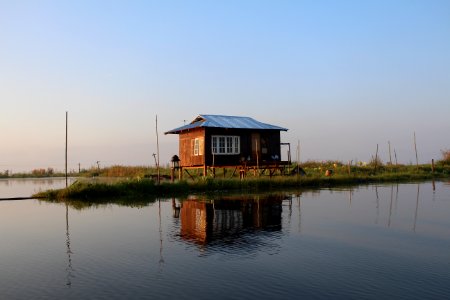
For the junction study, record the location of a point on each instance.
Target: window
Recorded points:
(197, 145)
(222, 145)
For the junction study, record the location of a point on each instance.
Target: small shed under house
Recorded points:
(239, 143)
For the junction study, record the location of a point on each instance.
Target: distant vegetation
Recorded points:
(140, 182)
(445, 157)
(312, 168)
(36, 173)
(113, 171)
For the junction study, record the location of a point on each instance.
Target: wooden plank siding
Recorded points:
(187, 157)
(261, 144)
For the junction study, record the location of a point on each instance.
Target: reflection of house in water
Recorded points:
(227, 218)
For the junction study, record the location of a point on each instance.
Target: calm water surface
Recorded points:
(375, 242)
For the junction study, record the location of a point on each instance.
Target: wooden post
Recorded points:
(395, 155)
(157, 152)
(257, 157)
(415, 149)
(349, 170)
(67, 119)
(376, 159)
(390, 156)
(432, 165)
(298, 158)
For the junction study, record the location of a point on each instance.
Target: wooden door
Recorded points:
(256, 146)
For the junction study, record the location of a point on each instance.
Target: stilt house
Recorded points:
(217, 141)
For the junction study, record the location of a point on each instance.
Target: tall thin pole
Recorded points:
(257, 157)
(390, 156)
(298, 158)
(67, 117)
(415, 149)
(157, 150)
(376, 159)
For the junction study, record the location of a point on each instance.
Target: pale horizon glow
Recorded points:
(342, 76)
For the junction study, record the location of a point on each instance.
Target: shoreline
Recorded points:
(140, 188)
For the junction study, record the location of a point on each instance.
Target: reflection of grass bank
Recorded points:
(135, 188)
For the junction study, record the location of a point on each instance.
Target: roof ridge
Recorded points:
(234, 116)
(226, 121)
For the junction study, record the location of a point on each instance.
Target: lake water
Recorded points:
(370, 242)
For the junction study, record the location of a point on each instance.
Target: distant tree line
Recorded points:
(35, 173)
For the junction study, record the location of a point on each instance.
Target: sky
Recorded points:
(342, 76)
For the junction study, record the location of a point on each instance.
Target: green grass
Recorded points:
(86, 190)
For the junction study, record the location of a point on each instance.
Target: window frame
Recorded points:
(197, 146)
(225, 145)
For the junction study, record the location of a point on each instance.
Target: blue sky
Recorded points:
(343, 76)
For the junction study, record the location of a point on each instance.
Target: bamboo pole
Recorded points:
(376, 159)
(415, 149)
(257, 157)
(298, 158)
(157, 152)
(390, 156)
(67, 118)
(395, 155)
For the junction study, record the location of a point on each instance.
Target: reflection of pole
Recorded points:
(396, 198)
(69, 268)
(299, 214)
(417, 208)
(378, 205)
(176, 209)
(390, 206)
(257, 213)
(161, 259)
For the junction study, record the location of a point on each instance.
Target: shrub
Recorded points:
(445, 157)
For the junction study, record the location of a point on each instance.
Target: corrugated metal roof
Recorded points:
(220, 121)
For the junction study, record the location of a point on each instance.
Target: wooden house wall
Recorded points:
(187, 157)
(268, 142)
(271, 142)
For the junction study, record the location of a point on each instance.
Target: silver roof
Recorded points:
(220, 121)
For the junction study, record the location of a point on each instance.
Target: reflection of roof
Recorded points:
(220, 121)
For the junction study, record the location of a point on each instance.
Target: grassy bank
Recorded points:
(141, 188)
